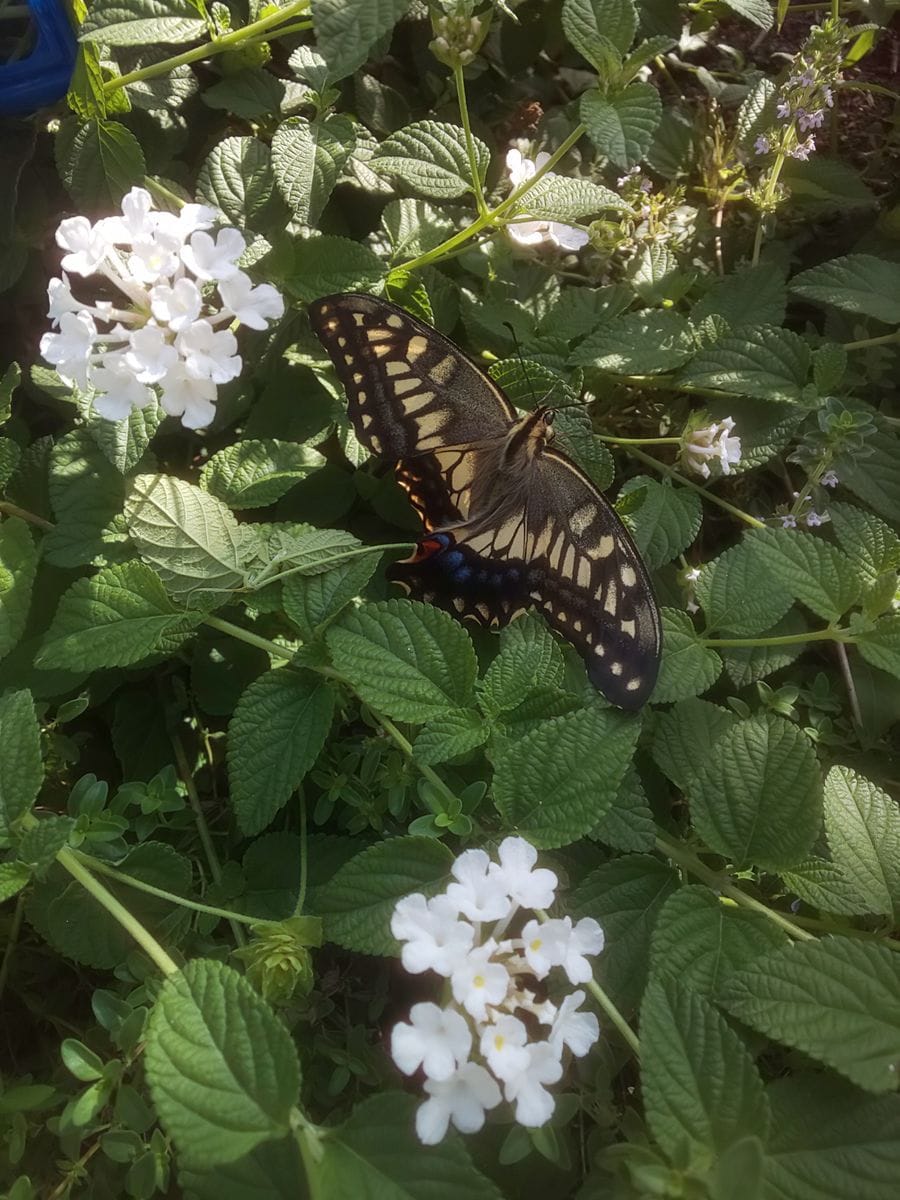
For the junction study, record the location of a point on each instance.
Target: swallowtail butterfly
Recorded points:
(510, 523)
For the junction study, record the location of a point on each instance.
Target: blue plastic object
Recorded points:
(43, 76)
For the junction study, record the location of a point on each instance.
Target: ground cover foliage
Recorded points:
(227, 749)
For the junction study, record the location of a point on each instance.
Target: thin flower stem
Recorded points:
(659, 441)
(227, 41)
(251, 638)
(665, 469)
(67, 859)
(470, 141)
(605, 1003)
(865, 935)
(786, 639)
(768, 198)
(853, 698)
(492, 215)
(163, 193)
(719, 882)
(13, 510)
(102, 868)
(884, 340)
(209, 848)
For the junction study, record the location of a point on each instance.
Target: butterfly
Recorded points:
(509, 521)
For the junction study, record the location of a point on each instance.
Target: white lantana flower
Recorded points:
(533, 233)
(484, 1020)
(154, 259)
(436, 1039)
(462, 1099)
(435, 940)
(712, 442)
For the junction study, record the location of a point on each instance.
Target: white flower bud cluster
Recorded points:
(711, 443)
(170, 330)
(478, 1049)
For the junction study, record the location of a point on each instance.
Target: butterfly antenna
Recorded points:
(524, 367)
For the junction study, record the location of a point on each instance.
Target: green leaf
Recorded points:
(688, 667)
(556, 198)
(10, 456)
(812, 570)
(870, 544)
(237, 178)
(639, 343)
(18, 563)
(278, 729)
(21, 769)
(357, 902)
(685, 735)
(430, 156)
(857, 283)
(252, 95)
(625, 896)
(818, 882)
(518, 670)
(701, 941)
(323, 265)
(837, 1000)
(830, 1141)
(655, 274)
(449, 735)
(312, 600)
(43, 841)
(112, 619)
(757, 798)
(876, 477)
(863, 827)
(628, 824)
(10, 380)
(13, 877)
(701, 1090)
(347, 30)
(666, 521)
(752, 296)
(254, 474)
(757, 11)
(880, 645)
(104, 160)
(621, 125)
(186, 535)
(222, 1068)
(732, 600)
(142, 22)
(579, 310)
(552, 785)
(587, 24)
(375, 1154)
(124, 443)
(304, 550)
(769, 363)
(825, 185)
(408, 660)
(86, 494)
(269, 1172)
(307, 158)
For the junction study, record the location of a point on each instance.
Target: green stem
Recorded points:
(606, 1004)
(884, 340)
(427, 772)
(247, 635)
(13, 510)
(102, 868)
(360, 552)
(665, 469)
(786, 639)
(866, 935)
(720, 883)
(12, 940)
(452, 244)
(659, 441)
(304, 859)
(67, 859)
(209, 848)
(470, 142)
(218, 45)
(768, 198)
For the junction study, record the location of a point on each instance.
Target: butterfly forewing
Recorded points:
(509, 523)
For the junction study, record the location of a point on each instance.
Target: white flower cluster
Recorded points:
(533, 233)
(711, 442)
(479, 1042)
(166, 331)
